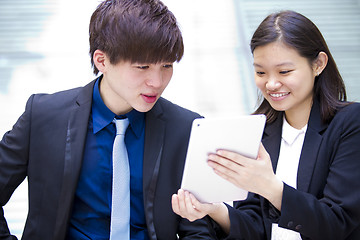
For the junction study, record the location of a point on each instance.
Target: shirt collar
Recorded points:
(136, 121)
(289, 133)
(103, 116)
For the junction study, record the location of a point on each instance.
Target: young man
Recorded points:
(63, 142)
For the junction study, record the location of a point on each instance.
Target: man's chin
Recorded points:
(145, 107)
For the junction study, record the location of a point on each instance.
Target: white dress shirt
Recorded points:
(290, 149)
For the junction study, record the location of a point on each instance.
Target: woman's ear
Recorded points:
(99, 58)
(320, 63)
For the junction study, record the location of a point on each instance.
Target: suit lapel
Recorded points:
(272, 139)
(309, 152)
(154, 138)
(313, 138)
(75, 141)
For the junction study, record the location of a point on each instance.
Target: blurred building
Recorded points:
(44, 48)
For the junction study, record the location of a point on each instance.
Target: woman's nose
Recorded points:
(273, 84)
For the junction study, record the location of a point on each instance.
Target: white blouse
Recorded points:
(290, 149)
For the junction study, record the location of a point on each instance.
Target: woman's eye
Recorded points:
(260, 73)
(285, 72)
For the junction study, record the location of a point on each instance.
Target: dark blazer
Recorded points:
(46, 145)
(326, 204)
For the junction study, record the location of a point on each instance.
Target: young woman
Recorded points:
(305, 183)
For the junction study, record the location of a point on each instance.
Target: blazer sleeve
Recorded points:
(198, 229)
(14, 148)
(333, 212)
(245, 220)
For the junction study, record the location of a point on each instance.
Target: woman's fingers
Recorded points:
(262, 152)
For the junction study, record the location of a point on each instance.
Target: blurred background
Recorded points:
(44, 48)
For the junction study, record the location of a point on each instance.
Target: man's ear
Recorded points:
(320, 63)
(99, 58)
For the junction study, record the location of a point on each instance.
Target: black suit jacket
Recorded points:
(47, 144)
(326, 204)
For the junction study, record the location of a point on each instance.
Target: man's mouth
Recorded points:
(149, 98)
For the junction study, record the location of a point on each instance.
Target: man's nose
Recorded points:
(154, 79)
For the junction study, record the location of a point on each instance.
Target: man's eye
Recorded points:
(168, 66)
(143, 67)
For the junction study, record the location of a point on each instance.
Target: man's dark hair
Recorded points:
(141, 31)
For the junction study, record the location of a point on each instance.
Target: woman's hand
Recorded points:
(255, 176)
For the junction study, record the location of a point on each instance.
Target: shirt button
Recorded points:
(290, 224)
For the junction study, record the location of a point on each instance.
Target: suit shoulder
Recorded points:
(348, 117)
(55, 103)
(64, 98)
(352, 110)
(59, 97)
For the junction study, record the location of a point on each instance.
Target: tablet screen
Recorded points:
(240, 134)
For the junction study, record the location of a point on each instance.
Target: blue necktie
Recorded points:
(120, 204)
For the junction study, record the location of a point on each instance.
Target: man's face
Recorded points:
(126, 86)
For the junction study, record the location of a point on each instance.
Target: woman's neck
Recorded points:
(298, 118)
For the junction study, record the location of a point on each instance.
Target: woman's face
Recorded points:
(285, 78)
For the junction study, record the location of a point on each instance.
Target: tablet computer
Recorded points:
(240, 134)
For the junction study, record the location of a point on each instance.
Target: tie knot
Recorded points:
(121, 125)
